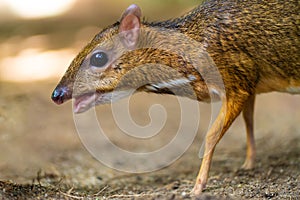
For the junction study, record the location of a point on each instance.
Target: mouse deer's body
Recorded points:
(254, 45)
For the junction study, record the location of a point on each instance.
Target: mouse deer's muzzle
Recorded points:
(61, 94)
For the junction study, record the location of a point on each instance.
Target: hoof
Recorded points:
(247, 165)
(197, 190)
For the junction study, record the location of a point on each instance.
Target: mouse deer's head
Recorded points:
(129, 54)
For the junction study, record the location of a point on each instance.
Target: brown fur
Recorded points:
(254, 44)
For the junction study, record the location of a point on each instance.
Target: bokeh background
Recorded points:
(38, 40)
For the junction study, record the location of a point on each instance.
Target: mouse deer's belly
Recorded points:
(292, 90)
(278, 85)
(293, 87)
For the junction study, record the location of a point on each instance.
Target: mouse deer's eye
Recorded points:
(99, 59)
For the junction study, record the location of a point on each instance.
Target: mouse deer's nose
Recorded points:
(61, 95)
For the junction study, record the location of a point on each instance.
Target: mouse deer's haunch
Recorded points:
(254, 46)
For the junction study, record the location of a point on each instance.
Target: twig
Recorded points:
(71, 196)
(104, 188)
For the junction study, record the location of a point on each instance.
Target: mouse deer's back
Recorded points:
(254, 40)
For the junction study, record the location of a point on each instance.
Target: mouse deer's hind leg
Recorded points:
(229, 111)
(248, 118)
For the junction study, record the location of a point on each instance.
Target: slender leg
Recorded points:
(229, 111)
(248, 117)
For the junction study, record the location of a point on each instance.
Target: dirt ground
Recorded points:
(42, 157)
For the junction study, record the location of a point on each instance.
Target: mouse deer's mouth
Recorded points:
(84, 102)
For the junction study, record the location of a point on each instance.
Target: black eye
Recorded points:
(99, 59)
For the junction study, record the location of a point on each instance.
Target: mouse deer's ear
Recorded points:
(130, 26)
(134, 10)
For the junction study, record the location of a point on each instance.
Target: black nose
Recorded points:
(60, 95)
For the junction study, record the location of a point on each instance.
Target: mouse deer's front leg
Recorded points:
(228, 113)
